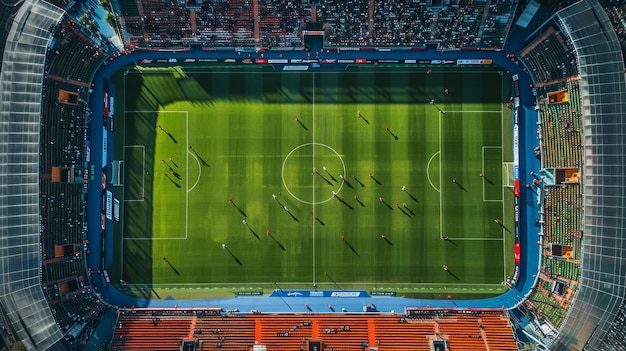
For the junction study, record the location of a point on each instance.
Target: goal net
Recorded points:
(508, 175)
(117, 172)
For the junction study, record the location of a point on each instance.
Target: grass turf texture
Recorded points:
(246, 146)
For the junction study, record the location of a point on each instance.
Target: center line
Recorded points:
(313, 178)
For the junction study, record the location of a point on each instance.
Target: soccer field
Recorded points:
(233, 178)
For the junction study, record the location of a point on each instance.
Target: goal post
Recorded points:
(117, 173)
(508, 175)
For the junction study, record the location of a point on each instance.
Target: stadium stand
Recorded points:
(552, 62)
(216, 24)
(617, 21)
(140, 329)
(462, 24)
(354, 23)
(226, 25)
(346, 23)
(549, 57)
(281, 22)
(615, 335)
(72, 56)
(561, 126)
(496, 24)
(411, 25)
(152, 332)
(562, 74)
(457, 26)
(71, 60)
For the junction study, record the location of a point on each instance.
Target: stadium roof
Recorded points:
(21, 296)
(603, 102)
(528, 14)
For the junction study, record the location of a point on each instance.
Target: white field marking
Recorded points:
(504, 248)
(186, 180)
(313, 178)
(440, 182)
(483, 170)
(199, 172)
(477, 239)
(428, 171)
(282, 171)
(483, 195)
(259, 285)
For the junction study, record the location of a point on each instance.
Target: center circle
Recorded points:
(305, 184)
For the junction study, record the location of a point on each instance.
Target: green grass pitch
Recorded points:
(191, 139)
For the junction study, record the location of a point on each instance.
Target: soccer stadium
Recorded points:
(255, 175)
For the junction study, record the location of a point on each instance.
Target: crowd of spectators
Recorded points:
(457, 25)
(399, 23)
(614, 338)
(281, 22)
(352, 23)
(618, 20)
(71, 54)
(346, 22)
(162, 22)
(229, 23)
(76, 308)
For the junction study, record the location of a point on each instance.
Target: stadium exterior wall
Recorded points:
(603, 96)
(21, 79)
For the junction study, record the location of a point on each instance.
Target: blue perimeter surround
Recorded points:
(529, 209)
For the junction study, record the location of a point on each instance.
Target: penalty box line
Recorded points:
(442, 116)
(503, 238)
(186, 236)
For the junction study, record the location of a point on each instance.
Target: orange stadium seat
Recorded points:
(163, 330)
